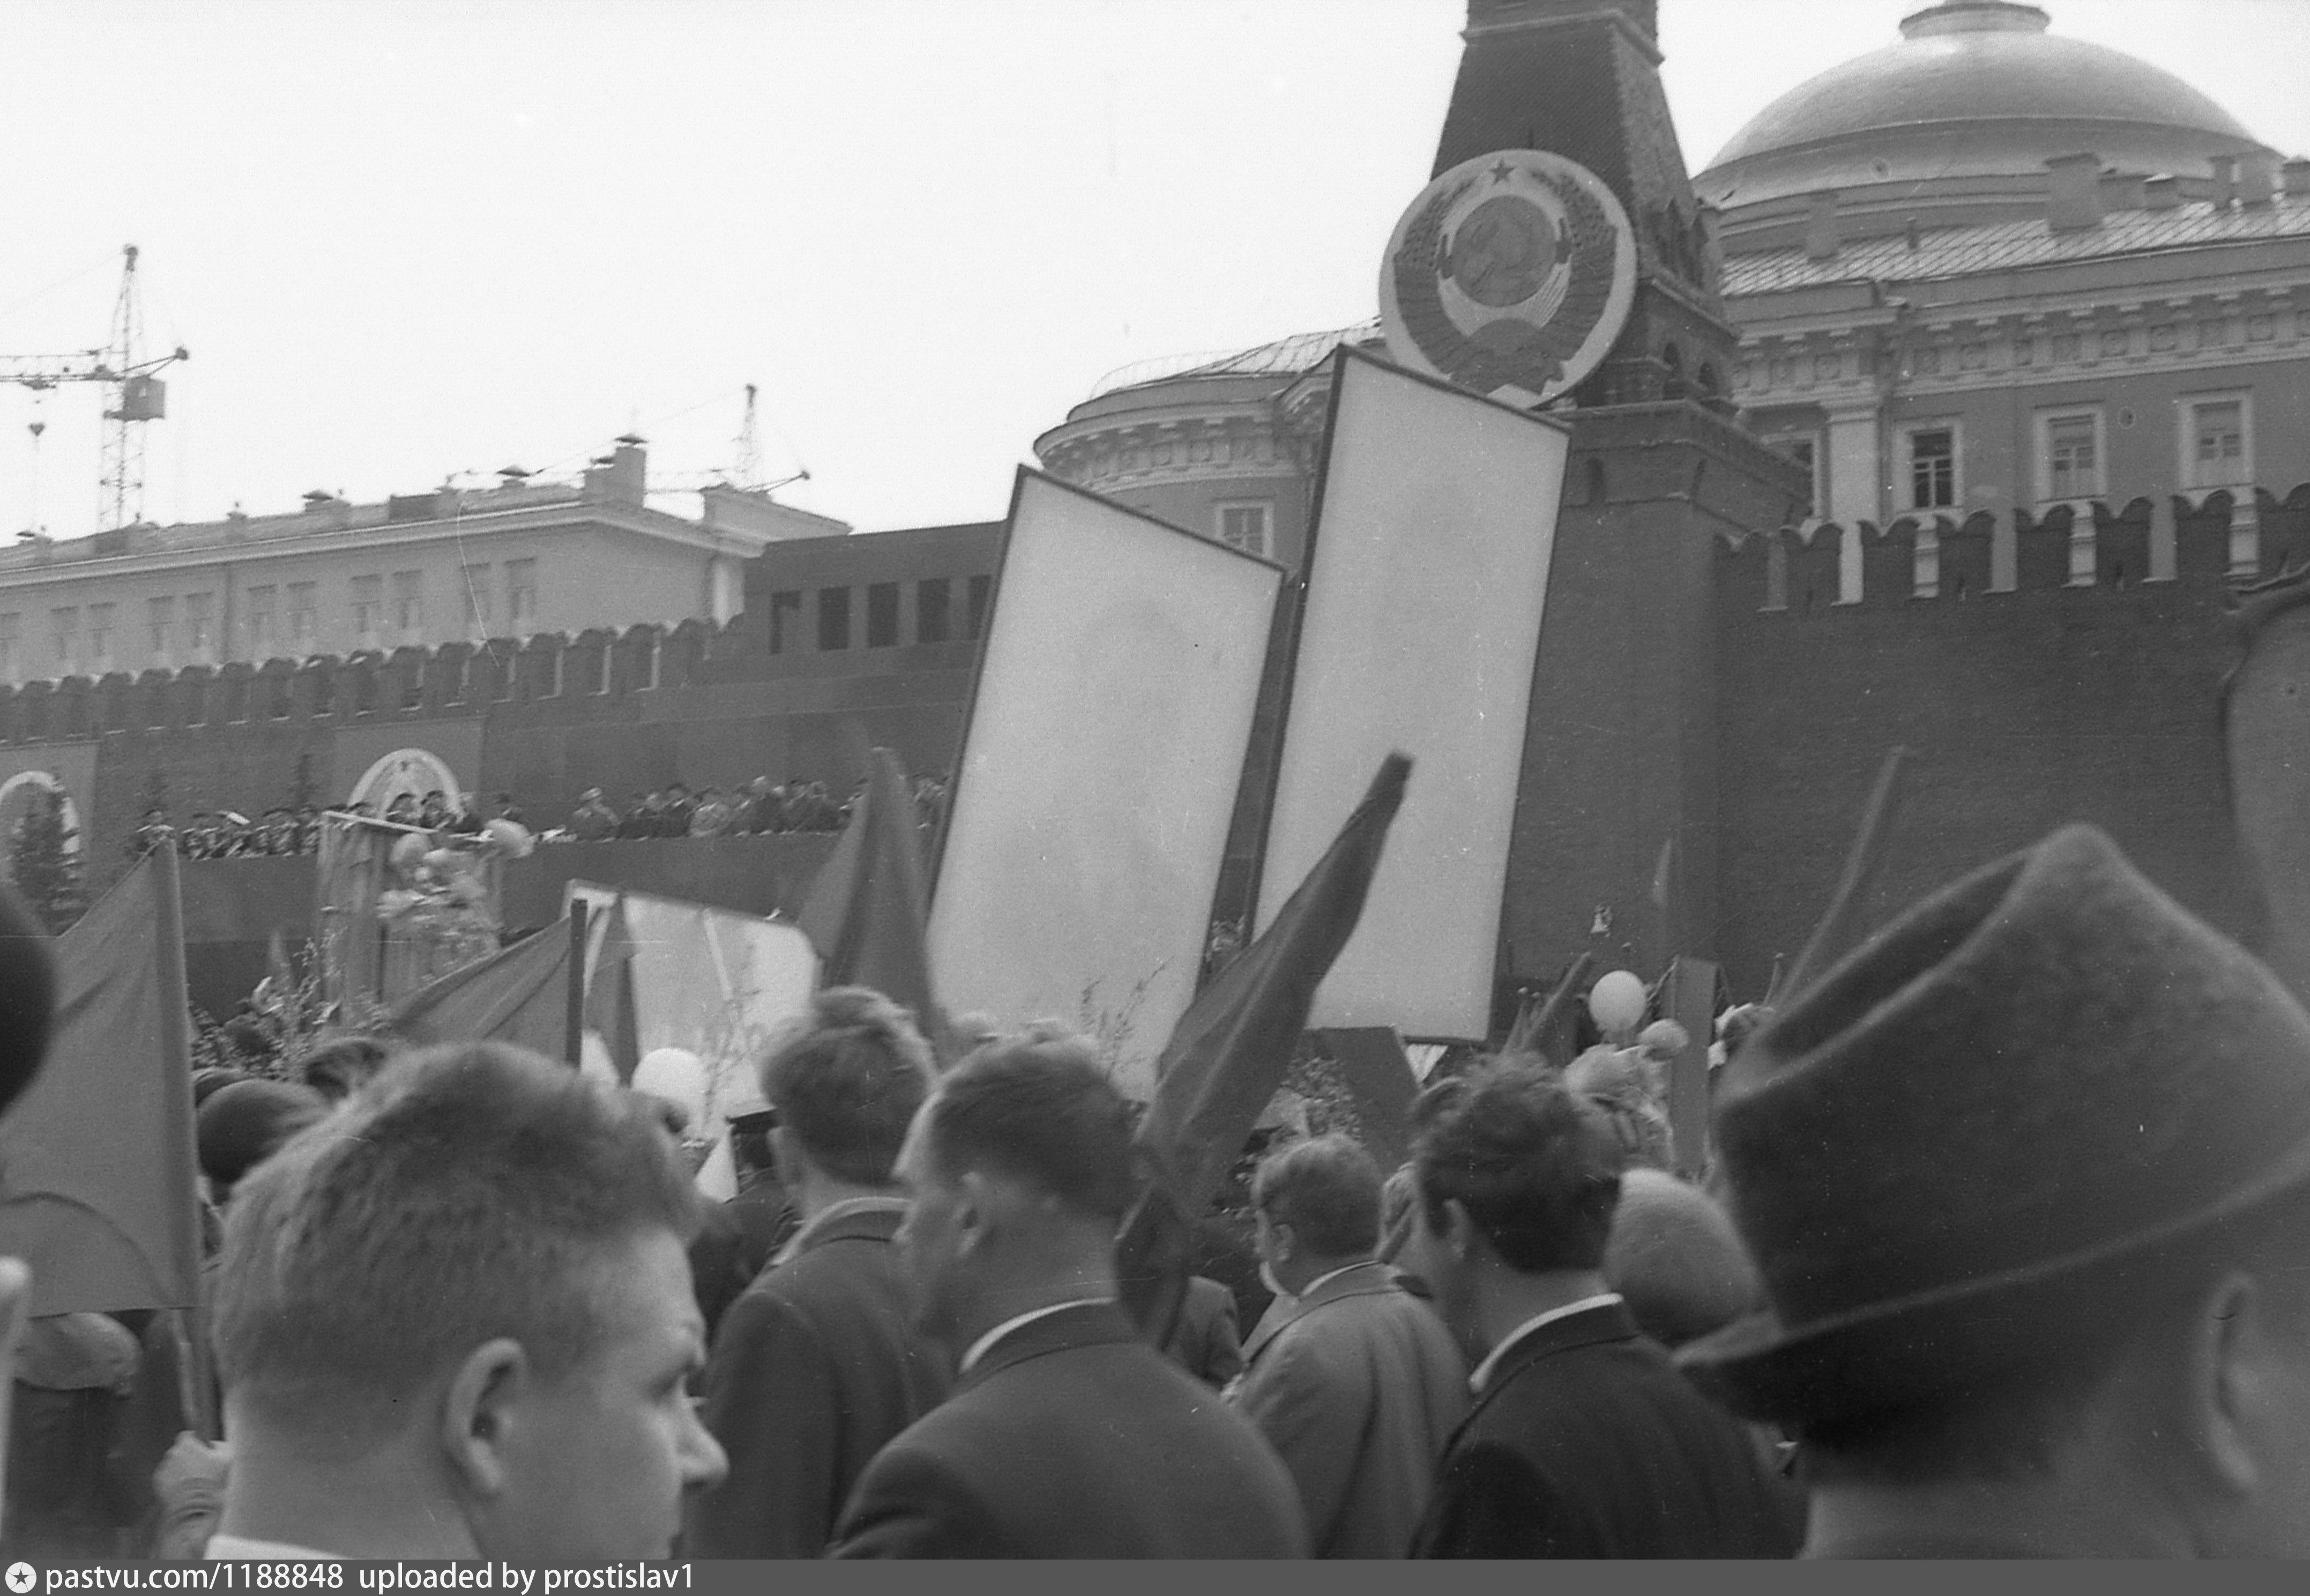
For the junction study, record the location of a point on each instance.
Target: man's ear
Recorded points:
(2229, 1371)
(478, 1413)
(1460, 1232)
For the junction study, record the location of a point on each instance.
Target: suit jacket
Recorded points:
(1072, 1437)
(1205, 1341)
(736, 1243)
(1588, 1443)
(1357, 1386)
(815, 1366)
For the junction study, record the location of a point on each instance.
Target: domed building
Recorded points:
(1991, 272)
(1954, 124)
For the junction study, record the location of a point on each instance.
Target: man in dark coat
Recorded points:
(1205, 1338)
(2027, 1179)
(1067, 1435)
(1355, 1383)
(817, 1364)
(1583, 1440)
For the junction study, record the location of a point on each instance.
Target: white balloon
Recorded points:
(676, 1075)
(1617, 1003)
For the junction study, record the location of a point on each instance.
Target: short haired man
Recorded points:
(1355, 1382)
(1067, 1435)
(1583, 1440)
(818, 1363)
(2038, 1283)
(453, 1319)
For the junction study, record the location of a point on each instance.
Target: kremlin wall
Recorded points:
(1974, 476)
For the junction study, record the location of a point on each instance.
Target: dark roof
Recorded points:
(2003, 245)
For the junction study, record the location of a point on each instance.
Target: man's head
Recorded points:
(845, 1081)
(2026, 1180)
(340, 1067)
(1020, 1167)
(478, 1264)
(1518, 1177)
(246, 1122)
(1317, 1205)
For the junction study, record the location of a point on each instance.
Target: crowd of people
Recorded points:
(760, 807)
(2001, 1252)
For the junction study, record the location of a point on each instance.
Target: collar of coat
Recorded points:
(856, 1219)
(1371, 1278)
(1590, 1327)
(1078, 1324)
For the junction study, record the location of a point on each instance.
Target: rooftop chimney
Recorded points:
(2122, 192)
(1821, 239)
(620, 476)
(2162, 192)
(2297, 173)
(2225, 180)
(2257, 184)
(2075, 202)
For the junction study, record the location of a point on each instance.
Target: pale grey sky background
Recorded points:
(406, 240)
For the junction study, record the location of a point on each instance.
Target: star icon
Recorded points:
(1503, 172)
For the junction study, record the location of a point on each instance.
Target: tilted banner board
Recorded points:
(1098, 772)
(1426, 585)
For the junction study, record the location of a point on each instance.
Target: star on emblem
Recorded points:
(1503, 172)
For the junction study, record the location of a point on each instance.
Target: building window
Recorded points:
(198, 637)
(833, 619)
(8, 632)
(261, 601)
(2069, 454)
(933, 616)
(476, 581)
(1244, 526)
(409, 602)
(521, 594)
(786, 617)
(1804, 448)
(1932, 468)
(302, 621)
(100, 637)
(63, 631)
(368, 608)
(161, 614)
(982, 593)
(882, 614)
(2218, 442)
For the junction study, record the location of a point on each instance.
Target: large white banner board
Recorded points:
(1098, 772)
(1426, 587)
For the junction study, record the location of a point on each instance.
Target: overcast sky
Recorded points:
(407, 240)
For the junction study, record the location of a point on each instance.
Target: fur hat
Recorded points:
(1960, 1136)
(1674, 1256)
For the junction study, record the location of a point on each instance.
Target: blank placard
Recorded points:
(1098, 774)
(1425, 592)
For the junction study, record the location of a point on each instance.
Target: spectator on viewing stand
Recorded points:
(641, 817)
(457, 1322)
(508, 809)
(592, 820)
(674, 819)
(712, 816)
(1067, 1434)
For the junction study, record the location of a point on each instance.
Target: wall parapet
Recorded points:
(2202, 539)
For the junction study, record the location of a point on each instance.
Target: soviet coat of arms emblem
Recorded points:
(1510, 274)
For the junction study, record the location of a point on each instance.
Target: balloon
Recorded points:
(676, 1075)
(408, 850)
(1617, 1003)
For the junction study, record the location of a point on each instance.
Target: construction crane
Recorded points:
(137, 395)
(745, 466)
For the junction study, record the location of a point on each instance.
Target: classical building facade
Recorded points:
(417, 570)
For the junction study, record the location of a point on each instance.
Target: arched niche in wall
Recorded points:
(410, 770)
(18, 794)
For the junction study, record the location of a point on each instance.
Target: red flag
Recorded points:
(610, 993)
(518, 994)
(1229, 1051)
(97, 1172)
(867, 911)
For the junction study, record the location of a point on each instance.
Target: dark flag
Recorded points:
(866, 914)
(96, 1169)
(610, 1008)
(518, 994)
(1545, 1029)
(1229, 1051)
(1840, 928)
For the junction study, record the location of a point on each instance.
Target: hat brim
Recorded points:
(1910, 1348)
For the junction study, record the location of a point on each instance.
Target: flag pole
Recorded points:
(573, 1052)
(199, 1377)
